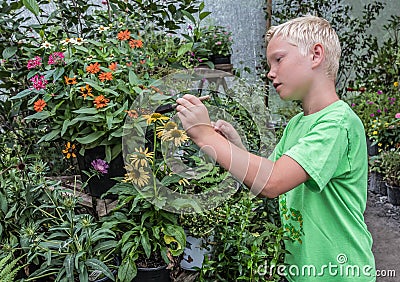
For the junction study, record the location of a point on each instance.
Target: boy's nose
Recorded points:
(271, 75)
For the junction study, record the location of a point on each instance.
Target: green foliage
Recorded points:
(390, 163)
(355, 53)
(147, 235)
(245, 240)
(9, 267)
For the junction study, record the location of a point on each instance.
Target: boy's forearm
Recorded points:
(252, 170)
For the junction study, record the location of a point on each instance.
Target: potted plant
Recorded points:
(391, 169)
(218, 39)
(68, 245)
(376, 183)
(81, 88)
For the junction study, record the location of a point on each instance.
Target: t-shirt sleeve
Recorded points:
(320, 153)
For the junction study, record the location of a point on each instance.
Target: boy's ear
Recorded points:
(318, 54)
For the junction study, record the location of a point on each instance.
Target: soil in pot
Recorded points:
(152, 270)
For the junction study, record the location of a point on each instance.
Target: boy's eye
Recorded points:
(278, 59)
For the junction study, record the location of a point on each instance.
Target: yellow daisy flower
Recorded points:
(175, 135)
(137, 176)
(141, 158)
(154, 117)
(396, 84)
(375, 133)
(161, 130)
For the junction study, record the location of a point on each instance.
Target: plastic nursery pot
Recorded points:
(219, 59)
(193, 255)
(97, 186)
(393, 193)
(376, 184)
(157, 274)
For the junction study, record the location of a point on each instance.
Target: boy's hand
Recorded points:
(194, 117)
(229, 132)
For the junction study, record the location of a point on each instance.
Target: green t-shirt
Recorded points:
(323, 217)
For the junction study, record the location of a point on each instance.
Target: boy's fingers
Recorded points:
(193, 99)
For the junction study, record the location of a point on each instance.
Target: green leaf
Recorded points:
(90, 138)
(50, 136)
(32, 6)
(109, 119)
(99, 265)
(89, 111)
(189, 16)
(127, 270)
(108, 154)
(69, 267)
(66, 123)
(22, 94)
(203, 15)
(93, 84)
(81, 48)
(107, 90)
(9, 52)
(58, 73)
(133, 79)
(144, 239)
(185, 48)
(39, 115)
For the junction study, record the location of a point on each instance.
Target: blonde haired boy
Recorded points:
(319, 167)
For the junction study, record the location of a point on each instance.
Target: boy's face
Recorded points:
(290, 71)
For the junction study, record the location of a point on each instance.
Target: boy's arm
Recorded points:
(264, 177)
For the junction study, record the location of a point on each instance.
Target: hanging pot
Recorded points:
(156, 274)
(98, 185)
(393, 193)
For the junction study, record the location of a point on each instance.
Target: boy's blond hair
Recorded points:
(305, 32)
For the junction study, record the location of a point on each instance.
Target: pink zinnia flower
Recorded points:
(380, 92)
(218, 43)
(100, 165)
(397, 115)
(56, 58)
(371, 115)
(35, 62)
(39, 82)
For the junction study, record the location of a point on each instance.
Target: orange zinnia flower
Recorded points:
(101, 101)
(134, 43)
(93, 68)
(132, 113)
(39, 105)
(86, 91)
(113, 66)
(105, 76)
(142, 62)
(124, 35)
(70, 80)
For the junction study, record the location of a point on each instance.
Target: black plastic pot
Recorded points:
(159, 274)
(372, 150)
(376, 184)
(393, 194)
(97, 186)
(219, 59)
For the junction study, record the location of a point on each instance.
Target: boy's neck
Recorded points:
(319, 97)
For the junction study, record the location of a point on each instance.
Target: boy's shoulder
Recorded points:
(338, 112)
